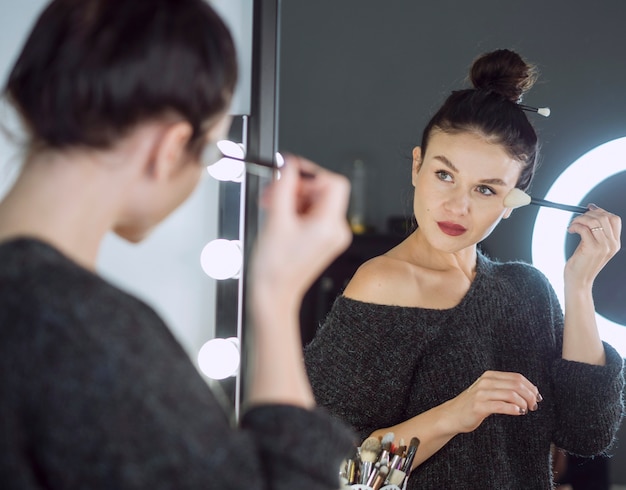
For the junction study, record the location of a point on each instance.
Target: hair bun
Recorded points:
(503, 72)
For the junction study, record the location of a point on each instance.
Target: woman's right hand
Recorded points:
(306, 228)
(493, 392)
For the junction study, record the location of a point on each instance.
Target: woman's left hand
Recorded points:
(600, 233)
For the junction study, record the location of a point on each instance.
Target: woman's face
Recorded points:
(460, 184)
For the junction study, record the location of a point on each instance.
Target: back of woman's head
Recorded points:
(92, 69)
(492, 109)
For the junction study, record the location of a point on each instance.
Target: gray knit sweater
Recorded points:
(375, 366)
(95, 393)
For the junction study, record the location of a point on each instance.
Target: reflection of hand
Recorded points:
(305, 229)
(493, 392)
(599, 233)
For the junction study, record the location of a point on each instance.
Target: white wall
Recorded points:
(238, 16)
(165, 269)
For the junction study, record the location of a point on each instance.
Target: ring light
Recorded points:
(549, 233)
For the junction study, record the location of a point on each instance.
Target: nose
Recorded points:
(458, 203)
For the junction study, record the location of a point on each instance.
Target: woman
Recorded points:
(474, 357)
(118, 100)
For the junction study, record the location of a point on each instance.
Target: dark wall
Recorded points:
(360, 78)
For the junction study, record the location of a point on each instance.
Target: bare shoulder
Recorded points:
(380, 280)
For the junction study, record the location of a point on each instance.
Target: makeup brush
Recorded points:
(518, 198)
(373, 474)
(263, 168)
(386, 443)
(410, 455)
(396, 459)
(396, 462)
(396, 477)
(542, 111)
(230, 158)
(351, 471)
(351, 468)
(380, 478)
(370, 449)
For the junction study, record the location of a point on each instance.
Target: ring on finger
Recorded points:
(596, 228)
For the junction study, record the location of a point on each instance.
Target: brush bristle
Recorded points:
(396, 477)
(368, 456)
(388, 438)
(544, 111)
(370, 449)
(516, 198)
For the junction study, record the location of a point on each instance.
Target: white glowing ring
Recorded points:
(549, 233)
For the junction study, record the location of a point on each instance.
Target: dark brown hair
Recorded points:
(500, 79)
(92, 69)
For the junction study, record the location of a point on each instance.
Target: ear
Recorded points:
(417, 163)
(170, 150)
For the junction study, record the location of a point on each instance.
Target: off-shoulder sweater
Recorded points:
(95, 393)
(375, 366)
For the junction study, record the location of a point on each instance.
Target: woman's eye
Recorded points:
(486, 191)
(443, 175)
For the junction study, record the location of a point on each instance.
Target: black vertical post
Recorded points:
(261, 144)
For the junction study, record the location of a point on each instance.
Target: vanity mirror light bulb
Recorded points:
(231, 149)
(280, 160)
(222, 259)
(227, 170)
(220, 358)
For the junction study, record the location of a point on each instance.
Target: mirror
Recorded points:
(359, 80)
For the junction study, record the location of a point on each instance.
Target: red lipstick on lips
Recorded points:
(451, 229)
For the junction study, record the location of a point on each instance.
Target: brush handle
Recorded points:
(365, 487)
(366, 470)
(266, 168)
(556, 205)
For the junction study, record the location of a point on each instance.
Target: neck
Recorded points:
(428, 256)
(65, 200)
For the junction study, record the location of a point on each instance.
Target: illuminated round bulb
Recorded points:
(219, 358)
(231, 149)
(516, 198)
(222, 259)
(280, 160)
(227, 169)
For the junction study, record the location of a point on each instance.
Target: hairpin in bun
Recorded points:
(542, 111)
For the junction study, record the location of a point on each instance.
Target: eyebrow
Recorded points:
(451, 166)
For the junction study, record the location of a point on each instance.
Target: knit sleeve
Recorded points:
(589, 404)
(355, 364)
(299, 448)
(586, 399)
